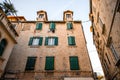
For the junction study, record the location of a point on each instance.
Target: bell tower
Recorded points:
(42, 15)
(68, 15)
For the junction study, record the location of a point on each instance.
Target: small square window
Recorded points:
(41, 15)
(68, 15)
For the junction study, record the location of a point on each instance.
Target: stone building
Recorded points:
(50, 50)
(7, 40)
(105, 18)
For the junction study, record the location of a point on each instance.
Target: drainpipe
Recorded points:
(111, 26)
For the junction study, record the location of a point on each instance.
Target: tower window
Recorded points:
(41, 15)
(68, 15)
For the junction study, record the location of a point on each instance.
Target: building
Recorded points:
(7, 40)
(105, 18)
(50, 50)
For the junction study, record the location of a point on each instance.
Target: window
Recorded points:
(30, 63)
(106, 66)
(35, 41)
(102, 25)
(14, 25)
(38, 26)
(49, 65)
(69, 25)
(107, 58)
(114, 52)
(74, 64)
(41, 16)
(51, 41)
(52, 26)
(3, 44)
(68, 15)
(71, 40)
(118, 9)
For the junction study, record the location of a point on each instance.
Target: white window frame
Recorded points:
(51, 41)
(35, 41)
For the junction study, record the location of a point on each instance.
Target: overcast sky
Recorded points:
(55, 9)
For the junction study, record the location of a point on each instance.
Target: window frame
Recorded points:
(41, 15)
(39, 26)
(68, 16)
(55, 39)
(71, 41)
(49, 63)
(29, 66)
(69, 26)
(3, 44)
(74, 61)
(39, 42)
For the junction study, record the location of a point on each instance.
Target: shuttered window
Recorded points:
(52, 26)
(51, 41)
(30, 65)
(38, 26)
(69, 25)
(35, 41)
(3, 44)
(74, 64)
(71, 40)
(49, 65)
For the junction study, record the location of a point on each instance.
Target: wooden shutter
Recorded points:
(69, 25)
(46, 41)
(74, 64)
(30, 41)
(40, 40)
(71, 40)
(56, 40)
(38, 26)
(52, 26)
(49, 63)
(30, 63)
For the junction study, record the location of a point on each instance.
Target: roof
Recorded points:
(18, 17)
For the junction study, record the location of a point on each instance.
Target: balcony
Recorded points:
(7, 25)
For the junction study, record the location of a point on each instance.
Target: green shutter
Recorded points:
(56, 40)
(30, 63)
(38, 26)
(30, 41)
(71, 40)
(69, 25)
(49, 63)
(40, 40)
(46, 41)
(74, 65)
(52, 26)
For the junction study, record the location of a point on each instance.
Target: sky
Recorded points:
(55, 9)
